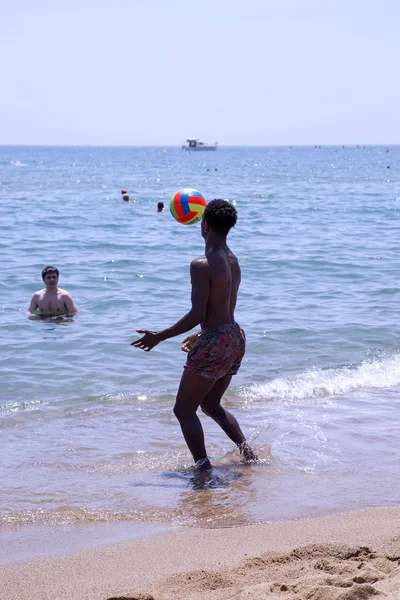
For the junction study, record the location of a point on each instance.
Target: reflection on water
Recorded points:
(50, 323)
(217, 497)
(56, 319)
(208, 479)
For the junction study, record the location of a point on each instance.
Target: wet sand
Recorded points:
(352, 556)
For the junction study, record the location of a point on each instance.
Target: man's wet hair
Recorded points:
(160, 205)
(124, 191)
(221, 215)
(50, 270)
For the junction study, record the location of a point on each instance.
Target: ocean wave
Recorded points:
(12, 407)
(323, 383)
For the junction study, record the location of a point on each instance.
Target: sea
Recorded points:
(91, 452)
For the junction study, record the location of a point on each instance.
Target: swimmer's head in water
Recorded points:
(160, 206)
(124, 191)
(220, 216)
(125, 197)
(50, 271)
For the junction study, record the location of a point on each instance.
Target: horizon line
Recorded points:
(314, 145)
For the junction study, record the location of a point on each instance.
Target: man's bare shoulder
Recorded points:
(232, 255)
(63, 293)
(199, 263)
(39, 293)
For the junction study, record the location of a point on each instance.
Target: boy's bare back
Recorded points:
(224, 278)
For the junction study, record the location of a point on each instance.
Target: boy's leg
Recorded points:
(192, 391)
(211, 406)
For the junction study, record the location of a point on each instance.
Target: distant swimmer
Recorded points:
(52, 301)
(160, 207)
(125, 196)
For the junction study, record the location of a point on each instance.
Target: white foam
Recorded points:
(12, 407)
(323, 383)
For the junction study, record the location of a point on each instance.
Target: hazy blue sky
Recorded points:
(240, 72)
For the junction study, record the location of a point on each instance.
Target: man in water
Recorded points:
(160, 207)
(214, 353)
(52, 301)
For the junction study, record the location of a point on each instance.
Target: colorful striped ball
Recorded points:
(187, 206)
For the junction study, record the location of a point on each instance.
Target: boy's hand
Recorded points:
(148, 341)
(188, 342)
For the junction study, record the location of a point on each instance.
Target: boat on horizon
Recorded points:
(195, 144)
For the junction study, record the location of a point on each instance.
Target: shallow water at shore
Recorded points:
(87, 430)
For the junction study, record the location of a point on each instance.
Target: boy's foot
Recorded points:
(247, 452)
(203, 465)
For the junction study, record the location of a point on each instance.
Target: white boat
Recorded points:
(196, 144)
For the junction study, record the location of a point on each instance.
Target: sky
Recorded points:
(154, 72)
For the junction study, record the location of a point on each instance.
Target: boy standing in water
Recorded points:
(216, 352)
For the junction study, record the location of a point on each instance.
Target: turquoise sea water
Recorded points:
(87, 430)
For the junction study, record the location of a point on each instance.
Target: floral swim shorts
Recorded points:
(217, 352)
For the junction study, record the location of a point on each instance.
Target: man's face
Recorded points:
(51, 280)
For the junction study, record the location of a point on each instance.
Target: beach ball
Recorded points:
(187, 206)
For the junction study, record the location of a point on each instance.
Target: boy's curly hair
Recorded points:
(221, 215)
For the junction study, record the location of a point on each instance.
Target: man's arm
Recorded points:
(70, 304)
(33, 305)
(200, 277)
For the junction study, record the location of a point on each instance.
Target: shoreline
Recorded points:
(27, 543)
(252, 561)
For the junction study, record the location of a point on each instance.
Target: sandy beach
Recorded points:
(352, 556)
